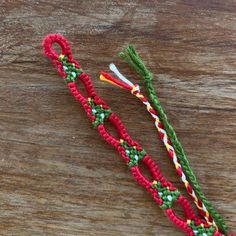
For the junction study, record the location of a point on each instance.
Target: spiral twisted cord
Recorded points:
(132, 57)
(135, 90)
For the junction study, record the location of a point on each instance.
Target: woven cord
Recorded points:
(135, 90)
(164, 192)
(132, 57)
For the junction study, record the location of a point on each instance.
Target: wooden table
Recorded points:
(58, 177)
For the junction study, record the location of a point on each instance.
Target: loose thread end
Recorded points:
(108, 78)
(105, 77)
(130, 55)
(122, 78)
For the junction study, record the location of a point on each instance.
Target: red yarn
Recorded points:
(121, 130)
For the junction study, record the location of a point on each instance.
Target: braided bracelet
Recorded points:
(163, 192)
(135, 90)
(206, 209)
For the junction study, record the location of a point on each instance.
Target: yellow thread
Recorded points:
(133, 89)
(103, 78)
(61, 56)
(168, 146)
(177, 165)
(139, 95)
(149, 107)
(154, 182)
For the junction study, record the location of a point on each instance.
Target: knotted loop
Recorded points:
(51, 39)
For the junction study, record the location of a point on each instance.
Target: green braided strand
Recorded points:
(132, 57)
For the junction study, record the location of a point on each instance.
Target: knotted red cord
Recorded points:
(99, 112)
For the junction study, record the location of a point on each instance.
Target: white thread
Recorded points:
(119, 75)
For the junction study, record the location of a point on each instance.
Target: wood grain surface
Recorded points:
(58, 177)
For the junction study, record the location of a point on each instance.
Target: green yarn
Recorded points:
(69, 68)
(200, 230)
(131, 56)
(99, 112)
(134, 154)
(168, 196)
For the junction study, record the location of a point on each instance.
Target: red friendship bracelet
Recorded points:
(163, 192)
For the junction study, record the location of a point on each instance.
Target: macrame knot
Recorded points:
(135, 89)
